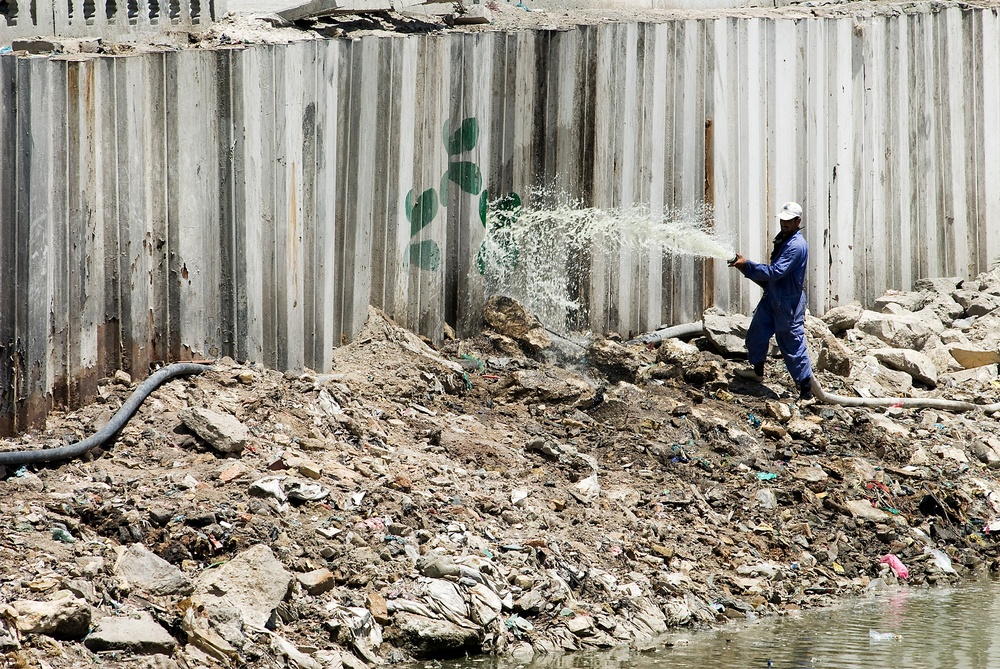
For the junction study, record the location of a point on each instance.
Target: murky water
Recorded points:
(956, 628)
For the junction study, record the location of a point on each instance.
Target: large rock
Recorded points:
(834, 357)
(880, 381)
(143, 568)
(253, 583)
(946, 308)
(675, 351)
(862, 509)
(942, 285)
(142, 636)
(976, 303)
(707, 373)
(64, 618)
(987, 282)
(429, 638)
(615, 361)
(914, 363)
(727, 332)
(510, 318)
(974, 375)
(223, 432)
(909, 330)
(549, 385)
(987, 452)
(842, 318)
(909, 300)
(888, 426)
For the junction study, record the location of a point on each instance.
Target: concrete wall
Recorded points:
(252, 202)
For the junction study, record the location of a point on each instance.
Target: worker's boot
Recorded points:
(805, 389)
(755, 373)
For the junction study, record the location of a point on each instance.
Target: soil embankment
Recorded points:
(495, 496)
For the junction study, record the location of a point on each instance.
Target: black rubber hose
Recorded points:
(116, 423)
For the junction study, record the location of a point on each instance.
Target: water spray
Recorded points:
(542, 252)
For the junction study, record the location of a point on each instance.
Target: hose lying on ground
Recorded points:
(697, 329)
(904, 402)
(673, 332)
(116, 423)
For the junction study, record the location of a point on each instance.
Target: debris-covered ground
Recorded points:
(259, 21)
(480, 498)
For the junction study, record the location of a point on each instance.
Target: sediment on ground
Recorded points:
(516, 493)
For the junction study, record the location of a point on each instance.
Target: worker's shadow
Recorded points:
(752, 389)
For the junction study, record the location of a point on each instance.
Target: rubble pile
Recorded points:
(513, 493)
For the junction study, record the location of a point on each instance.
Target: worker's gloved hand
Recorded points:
(739, 262)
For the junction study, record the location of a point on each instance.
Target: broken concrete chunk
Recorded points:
(834, 357)
(140, 635)
(842, 318)
(914, 363)
(581, 626)
(888, 425)
(727, 332)
(942, 285)
(253, 583)
(908, 300)
(511, 319)
(429, 638)
(675, 351)
(141, 567)
(780, 411)
(318, 581)
(549, 385)
(976, 303)
(615, 361)
(474, 14)
(223, 432)
(905, 330)
(863, 509)
(65, 618)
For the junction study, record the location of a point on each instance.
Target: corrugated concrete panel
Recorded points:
(253, 202)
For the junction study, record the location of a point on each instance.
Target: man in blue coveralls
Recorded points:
(782, 310)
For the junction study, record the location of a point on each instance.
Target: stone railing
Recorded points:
(103, 18)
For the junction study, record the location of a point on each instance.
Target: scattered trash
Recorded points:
(539, 496)
(883, 636)
(941, 560)
(63, 535)
(894, 563)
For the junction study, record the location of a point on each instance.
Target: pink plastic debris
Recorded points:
(895, 565)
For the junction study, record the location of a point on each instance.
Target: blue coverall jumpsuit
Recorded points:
(782, 310)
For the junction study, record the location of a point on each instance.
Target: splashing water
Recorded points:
(541, 253)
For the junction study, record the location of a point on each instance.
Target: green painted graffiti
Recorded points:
(499, 248)
(422, 208)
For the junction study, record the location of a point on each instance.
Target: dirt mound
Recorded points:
(422, 503)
